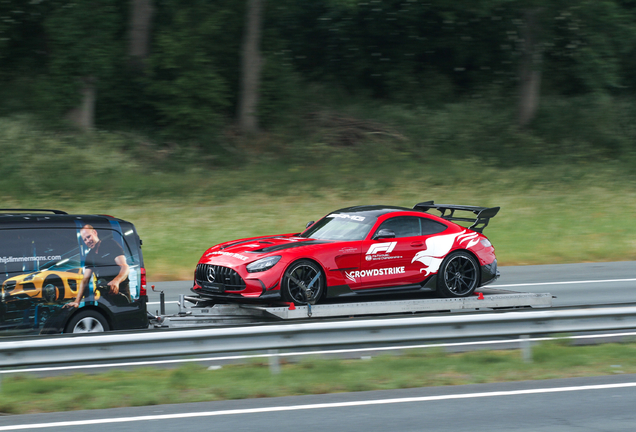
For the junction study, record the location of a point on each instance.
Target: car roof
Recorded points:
(371, 210)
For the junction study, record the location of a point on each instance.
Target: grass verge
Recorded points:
(560, 203)
(543, 219)
(23, 394)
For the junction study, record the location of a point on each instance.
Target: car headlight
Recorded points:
(263, 264)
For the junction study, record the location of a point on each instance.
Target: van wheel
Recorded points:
(88, 321)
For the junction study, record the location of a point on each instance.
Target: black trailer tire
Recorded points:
(458, 275)
(88, 321)
(296, 282)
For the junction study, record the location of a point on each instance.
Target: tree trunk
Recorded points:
(530, 70)
(83, 115)
(251, 65)
(139, 39)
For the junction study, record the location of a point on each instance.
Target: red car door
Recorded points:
(387, 262)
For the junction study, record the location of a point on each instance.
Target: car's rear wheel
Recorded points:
(458, 275)
(88, 321)
(303, 283)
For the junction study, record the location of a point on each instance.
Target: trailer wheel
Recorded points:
(458, 275)
(303, 283)
(88, 321)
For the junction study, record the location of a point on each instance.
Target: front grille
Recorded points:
(218, 279)
(9, 285)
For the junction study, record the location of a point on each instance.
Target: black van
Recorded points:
(63, 273)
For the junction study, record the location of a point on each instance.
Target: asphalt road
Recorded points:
(566, 405)
(573, 284)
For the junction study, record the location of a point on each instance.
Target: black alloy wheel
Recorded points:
(458, 275)
(303, 283)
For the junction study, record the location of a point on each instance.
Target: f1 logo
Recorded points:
(381, 247)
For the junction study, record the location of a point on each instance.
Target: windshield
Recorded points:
(340, 226)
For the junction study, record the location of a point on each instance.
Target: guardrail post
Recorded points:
(274, 362)
(526, 349)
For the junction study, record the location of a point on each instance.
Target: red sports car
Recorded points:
(356, 251)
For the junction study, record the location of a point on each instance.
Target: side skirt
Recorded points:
(428, 285)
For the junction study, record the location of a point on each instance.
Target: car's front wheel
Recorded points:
(53, 289)
(458, 275)
(88, 321)
(303, 283)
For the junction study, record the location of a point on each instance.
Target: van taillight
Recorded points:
(142, 291)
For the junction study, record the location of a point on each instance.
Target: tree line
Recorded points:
(190, 67)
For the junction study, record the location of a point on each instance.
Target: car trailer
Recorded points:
(203, 311)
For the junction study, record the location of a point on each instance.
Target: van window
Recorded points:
(41, 270)
(30, 250)
(33, 250)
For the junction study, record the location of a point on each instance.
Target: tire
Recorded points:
(53, 289)
(299, 275)
(88, 321)
(458, 275)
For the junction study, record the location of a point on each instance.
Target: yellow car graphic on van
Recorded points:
(46, 285)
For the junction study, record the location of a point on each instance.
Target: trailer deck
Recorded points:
(205, 313)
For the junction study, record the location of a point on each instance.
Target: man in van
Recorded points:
(107, 261)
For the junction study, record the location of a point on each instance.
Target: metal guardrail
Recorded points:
(183, 343)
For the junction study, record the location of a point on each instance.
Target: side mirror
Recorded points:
(309, 224)
(384, 234)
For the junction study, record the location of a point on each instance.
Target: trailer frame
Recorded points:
(204, 312)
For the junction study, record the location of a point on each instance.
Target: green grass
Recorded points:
(415, 368)
(567, 189)
(543, 220)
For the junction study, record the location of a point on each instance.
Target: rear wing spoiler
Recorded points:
(483, 214)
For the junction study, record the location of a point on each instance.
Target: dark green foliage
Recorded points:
(586, 128)
(83, 39)
(325, 143)
(587, 45)
(401, 50)
(193, 66)
(422, 55)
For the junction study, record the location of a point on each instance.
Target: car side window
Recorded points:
(430, 227)
(402, 226)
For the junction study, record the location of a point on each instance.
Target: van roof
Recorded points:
(27, 218)
(19, 210)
